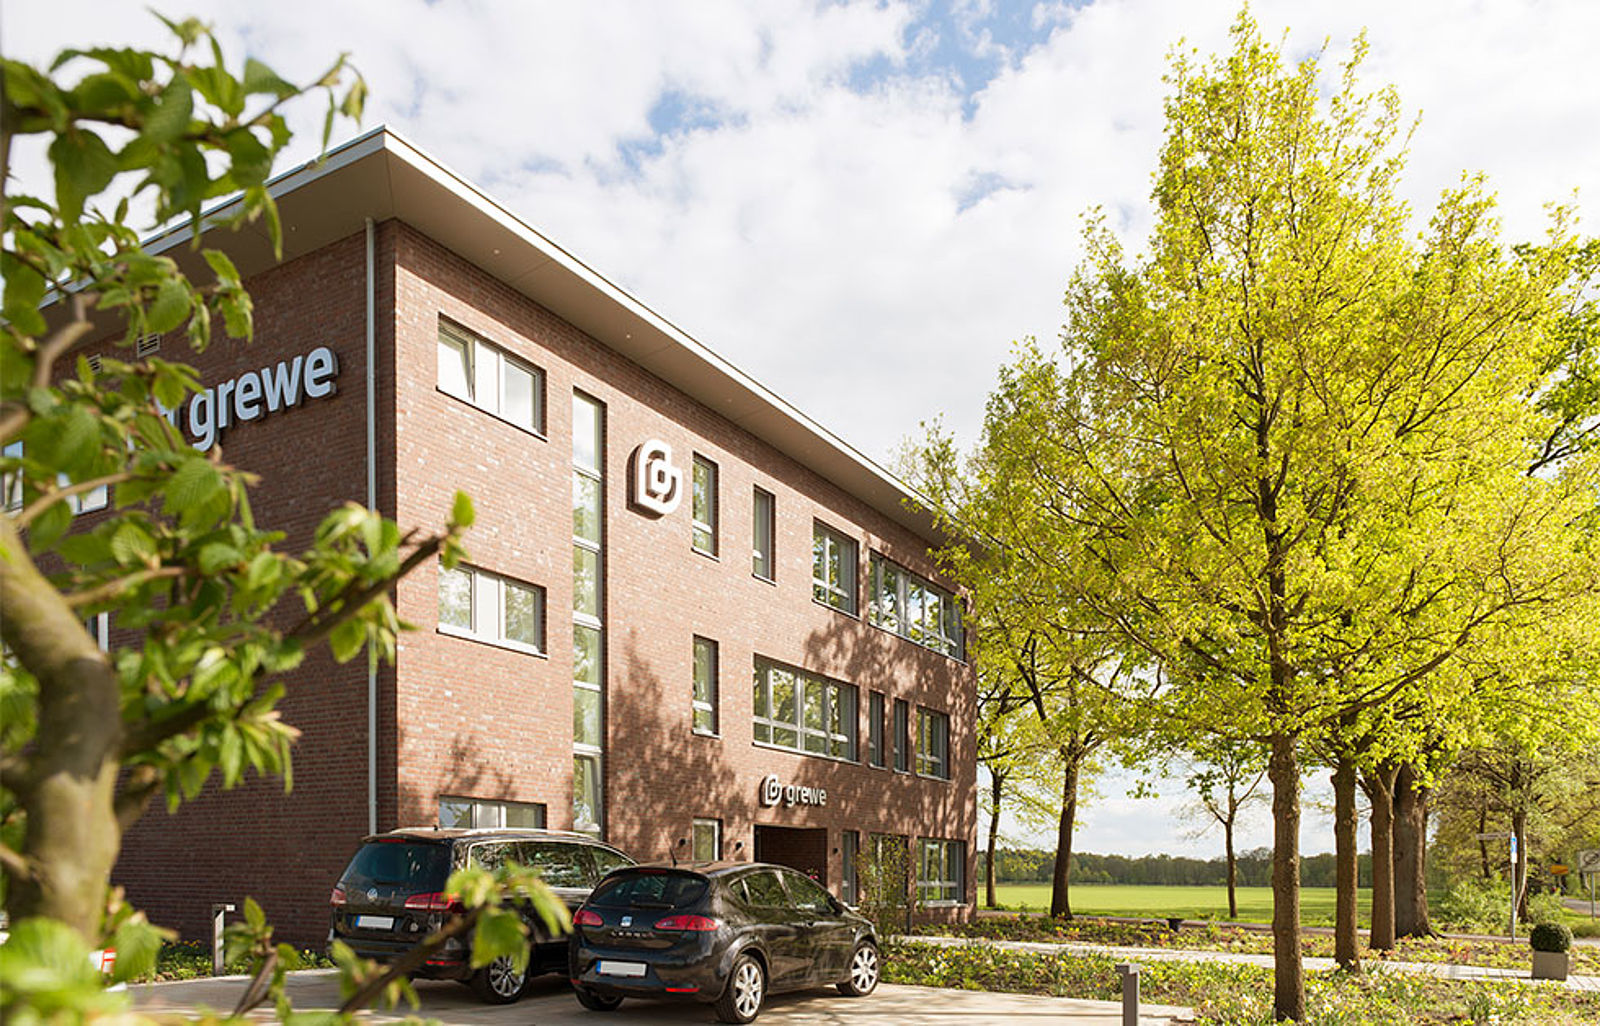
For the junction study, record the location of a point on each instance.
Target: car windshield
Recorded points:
(421, 866)
(650, 890)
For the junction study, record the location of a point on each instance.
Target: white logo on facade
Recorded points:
(657, 484)
(774, 792)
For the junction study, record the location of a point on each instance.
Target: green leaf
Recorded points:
(499, 933)
(84, 166)
(461, 511)
(258, 78)
(216, 557)
(173, 108)
(347, 639)
(136, 942)
(193, 486)
(24, 291)
(173, 302)
(132, 545)
(49, 526)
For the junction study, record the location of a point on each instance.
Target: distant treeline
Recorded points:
(1022, 865)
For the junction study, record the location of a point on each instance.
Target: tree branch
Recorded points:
(111, 589)
(14, 416)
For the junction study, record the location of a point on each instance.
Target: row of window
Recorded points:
(898, 600)
(11, 487)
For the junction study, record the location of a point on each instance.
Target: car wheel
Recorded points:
(864, 971)
(596, 1002)
(499, 983)
(747, 987)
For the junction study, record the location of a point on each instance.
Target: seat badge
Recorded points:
(627, 920)
(372, 894)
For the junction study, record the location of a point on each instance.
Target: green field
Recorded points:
(1156, 902)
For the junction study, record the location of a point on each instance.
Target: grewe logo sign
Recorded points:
(254, 394)
(657, 484)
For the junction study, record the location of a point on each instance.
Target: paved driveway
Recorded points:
(551, 1004)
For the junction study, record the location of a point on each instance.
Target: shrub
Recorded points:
(1479, 906)
(1550, 937)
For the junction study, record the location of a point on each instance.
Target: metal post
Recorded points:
(219, 911)
(1129, 972)
(1514, 883)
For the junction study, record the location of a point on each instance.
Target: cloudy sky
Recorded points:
(863, 204)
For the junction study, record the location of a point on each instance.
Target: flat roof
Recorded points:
(380, 175)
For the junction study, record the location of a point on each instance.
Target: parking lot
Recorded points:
(551, 1003)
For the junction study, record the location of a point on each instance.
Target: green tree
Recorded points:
(88, 738)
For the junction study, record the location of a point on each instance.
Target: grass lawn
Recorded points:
(1158, 902)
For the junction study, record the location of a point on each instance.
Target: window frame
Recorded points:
(493, 812)
(707, 525)
(900, 736)
(479, 581)
(829, 546)
(877, 750)
(716, 838)
(711, 704)
(840, 728)
(889, 583)
(933, 765)
(948, 889)
(763, 561)
(477, 371)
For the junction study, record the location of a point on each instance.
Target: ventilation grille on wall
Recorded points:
(147, 345)
(94, 363)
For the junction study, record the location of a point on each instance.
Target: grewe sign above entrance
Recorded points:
(775, 792)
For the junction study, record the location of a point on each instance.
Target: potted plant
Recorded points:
(1551, 943)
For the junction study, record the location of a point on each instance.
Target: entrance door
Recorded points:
(805, 849)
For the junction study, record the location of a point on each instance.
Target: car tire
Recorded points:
(595, 1001)
(498, 983)
(865, 969)
(747, 988)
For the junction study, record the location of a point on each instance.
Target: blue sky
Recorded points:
(864, 203)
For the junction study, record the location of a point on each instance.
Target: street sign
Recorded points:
(1560, 870)
(1589, 861)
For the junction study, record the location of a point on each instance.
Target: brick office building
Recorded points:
(693, 621)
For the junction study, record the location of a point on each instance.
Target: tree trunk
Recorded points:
(1233, 871)
(1380, 791)
(1410, 855)
(1483, 845)
(1346, 938)
(1289, 985)
(1061, 878)
(996, 785)
(67, 782)
(1519, 880)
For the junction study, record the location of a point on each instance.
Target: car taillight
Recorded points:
(437, 901)
(337, 897)
(585, 917)
(694, 924)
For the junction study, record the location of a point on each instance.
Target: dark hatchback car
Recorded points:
(393, 894)
(724, 932)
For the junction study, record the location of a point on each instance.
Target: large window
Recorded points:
(850, 852)
(707, 840)
(488, 607)
(705, 686)
(794, 709)
(912, 607)
(478, 813)
(763, 530)
(939, 868)
(933, 744)
(490, 378)
(588, 629)
(877, 752)
(902, 736)
(833, 568)
(704, 504)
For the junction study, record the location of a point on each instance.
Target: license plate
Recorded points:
(620, 968)
(375, 922)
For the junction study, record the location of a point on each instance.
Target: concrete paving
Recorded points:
(550, 1003)
(1443, 969)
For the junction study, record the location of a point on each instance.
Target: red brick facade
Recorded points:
(467, 718)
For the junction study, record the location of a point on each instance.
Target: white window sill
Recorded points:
(510, 646)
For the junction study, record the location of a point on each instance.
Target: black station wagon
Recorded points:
(393, 894)
(727, 933)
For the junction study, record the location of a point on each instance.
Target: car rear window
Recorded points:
(650, 890)
(423, 867)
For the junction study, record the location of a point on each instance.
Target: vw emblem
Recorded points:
(372, 894)
(627, 920)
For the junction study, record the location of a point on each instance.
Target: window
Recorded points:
(901, 602)
(705, 686)
(902, 736)
(794, 709)
(588, 630)
(11, 480)
(704, 505)
(586, 793)
(850, 852)
(933, 744)
(833, 569)
(876, 753)
(99, 628)
(707, 840)
(476, 813)
(12, 487)
(490, 378)
(939, 868)
(762, 531)
(491, 608)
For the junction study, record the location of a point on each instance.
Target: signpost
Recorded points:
(1588, 864)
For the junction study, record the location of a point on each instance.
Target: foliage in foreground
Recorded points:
(1224, 994)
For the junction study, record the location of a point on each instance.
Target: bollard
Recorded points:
(1130, 992)
(218, 911)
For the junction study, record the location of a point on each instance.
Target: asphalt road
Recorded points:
(551, 1004)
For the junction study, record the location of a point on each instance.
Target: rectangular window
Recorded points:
(763, 530)
(704, 503)
(933, 744)
(11, 478)
(99, 628)
(833, 568)
(794, 709)
(488, 607)
(902, 736)
(876, 753)
(705, 686)
(476, 813)
(939, 870)
(850, 852)
(586, 793)
(707, 840)
(11, 486)
(588, 630)
(490, 378)
(900, 601)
